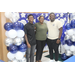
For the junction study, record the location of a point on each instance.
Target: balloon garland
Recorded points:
(15, 38)
(68, 42)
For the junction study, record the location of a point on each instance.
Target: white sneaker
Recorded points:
(52, 60)
(57, 61)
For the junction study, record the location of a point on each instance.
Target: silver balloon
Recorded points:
(22, 39)
(17, 41)
(68, 53)
(72, 16)
(73, 38)
(73, 52)
(67, 37)
(8, 41)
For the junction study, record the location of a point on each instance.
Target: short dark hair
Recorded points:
(52, 13)
(30, 15)
(41, 16)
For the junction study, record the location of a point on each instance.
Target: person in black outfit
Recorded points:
(30, 39)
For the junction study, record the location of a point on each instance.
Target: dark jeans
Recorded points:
(53, 45)
(39, 47)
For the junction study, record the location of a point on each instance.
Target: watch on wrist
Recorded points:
(58, 38)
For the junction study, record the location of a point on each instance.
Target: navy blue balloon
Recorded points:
(74, 43)
(13, 49)
(21, 26)
(69, 42)
(68, 26)
(16, 26)
(73, 23)
(63, 56)
(8, 48)
(8, 26)
(22, 47)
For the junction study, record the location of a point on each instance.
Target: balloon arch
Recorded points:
(15, 34)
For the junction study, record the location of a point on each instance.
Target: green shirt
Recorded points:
(41, 31)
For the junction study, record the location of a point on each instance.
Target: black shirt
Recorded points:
(29, 31)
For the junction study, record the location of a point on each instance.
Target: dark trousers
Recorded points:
(53, 45)
(39, 49)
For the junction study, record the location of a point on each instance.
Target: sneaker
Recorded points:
(57, 61)
(52, 60)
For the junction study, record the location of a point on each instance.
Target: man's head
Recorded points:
(52, 17)
(31, 18)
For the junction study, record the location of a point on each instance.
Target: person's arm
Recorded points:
(28, 45)
(60, 33)
(26, 39)
(35, 25)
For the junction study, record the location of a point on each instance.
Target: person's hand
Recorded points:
(58, 41)
(28, 45)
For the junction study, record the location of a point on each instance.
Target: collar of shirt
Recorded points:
(30, 23)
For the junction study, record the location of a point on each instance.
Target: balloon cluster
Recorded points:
(15, 38)
(68, 38)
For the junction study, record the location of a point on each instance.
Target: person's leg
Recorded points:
(49, 43)
(42, 47)
(38, 49)
(56, 50)
(28, 54)
(32, 53)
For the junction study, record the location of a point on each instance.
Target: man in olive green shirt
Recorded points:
(41, 32)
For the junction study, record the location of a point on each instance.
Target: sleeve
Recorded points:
(35, 25)
(25, 29)
(59, 24)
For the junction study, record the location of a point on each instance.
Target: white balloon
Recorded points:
(19, 55)
(23, 59)
(7, 14)
(67, 37)
(12, 33)
(66, 47)
(70, 32)
(24, 53)
(8, 41)
(73, 52)
(62, 50)
(73, 38)
(72, 48)
(22, 39)
(6, 33)
(68, 53)
(14, 16)
(20, 33)
(14, 60)
(10, 56)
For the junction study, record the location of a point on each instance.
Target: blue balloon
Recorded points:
(69, 42)
(8, 48)
(74, 43)
(13, 48)
(63, 42)
(68, 26)
(16, 26)
(8, 26)
(73, 23)
(22, 47)
(63, 56)
(21, 26)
